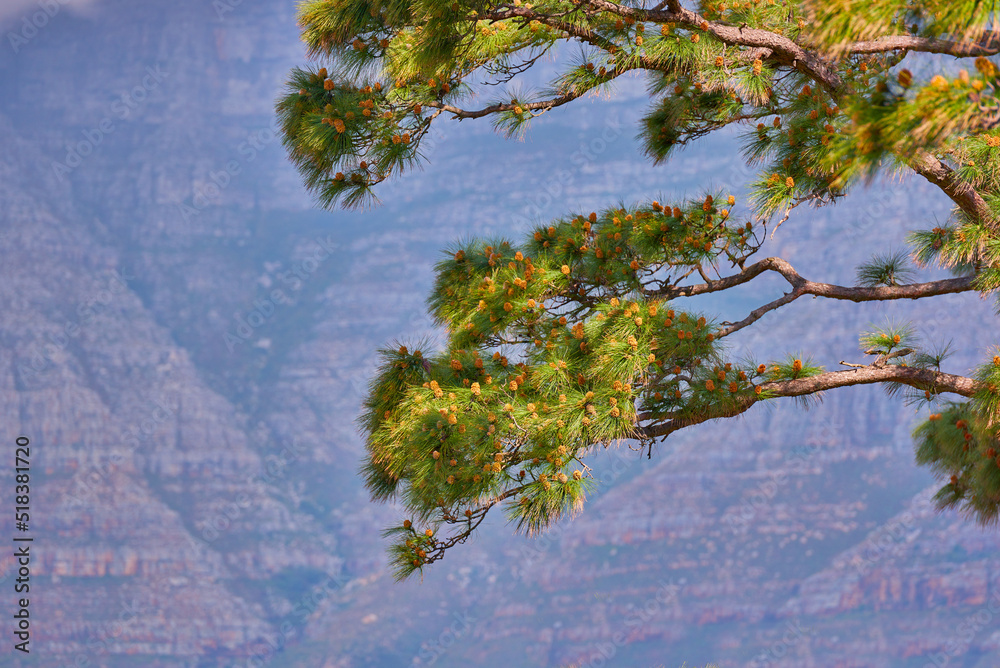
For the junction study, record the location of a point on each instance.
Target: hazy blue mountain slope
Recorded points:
(243, 331)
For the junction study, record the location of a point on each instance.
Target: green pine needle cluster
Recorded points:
(551, 351)
(889, 269)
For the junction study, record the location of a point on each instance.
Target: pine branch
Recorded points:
(960, 192)
(583, 34)
(988, 45)
(544, 105)
(802, 286)
(784, 51)
(914, 377)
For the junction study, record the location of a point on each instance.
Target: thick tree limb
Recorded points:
(802, 286)
(961, 193)
(783, 49)
(912, 376)
(960, 49)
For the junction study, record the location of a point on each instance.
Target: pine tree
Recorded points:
(572, 337)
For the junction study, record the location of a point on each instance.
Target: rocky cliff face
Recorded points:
(186, 344)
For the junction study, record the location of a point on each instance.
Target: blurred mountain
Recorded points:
(186, 342)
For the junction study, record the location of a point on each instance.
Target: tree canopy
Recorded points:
(573, 336)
